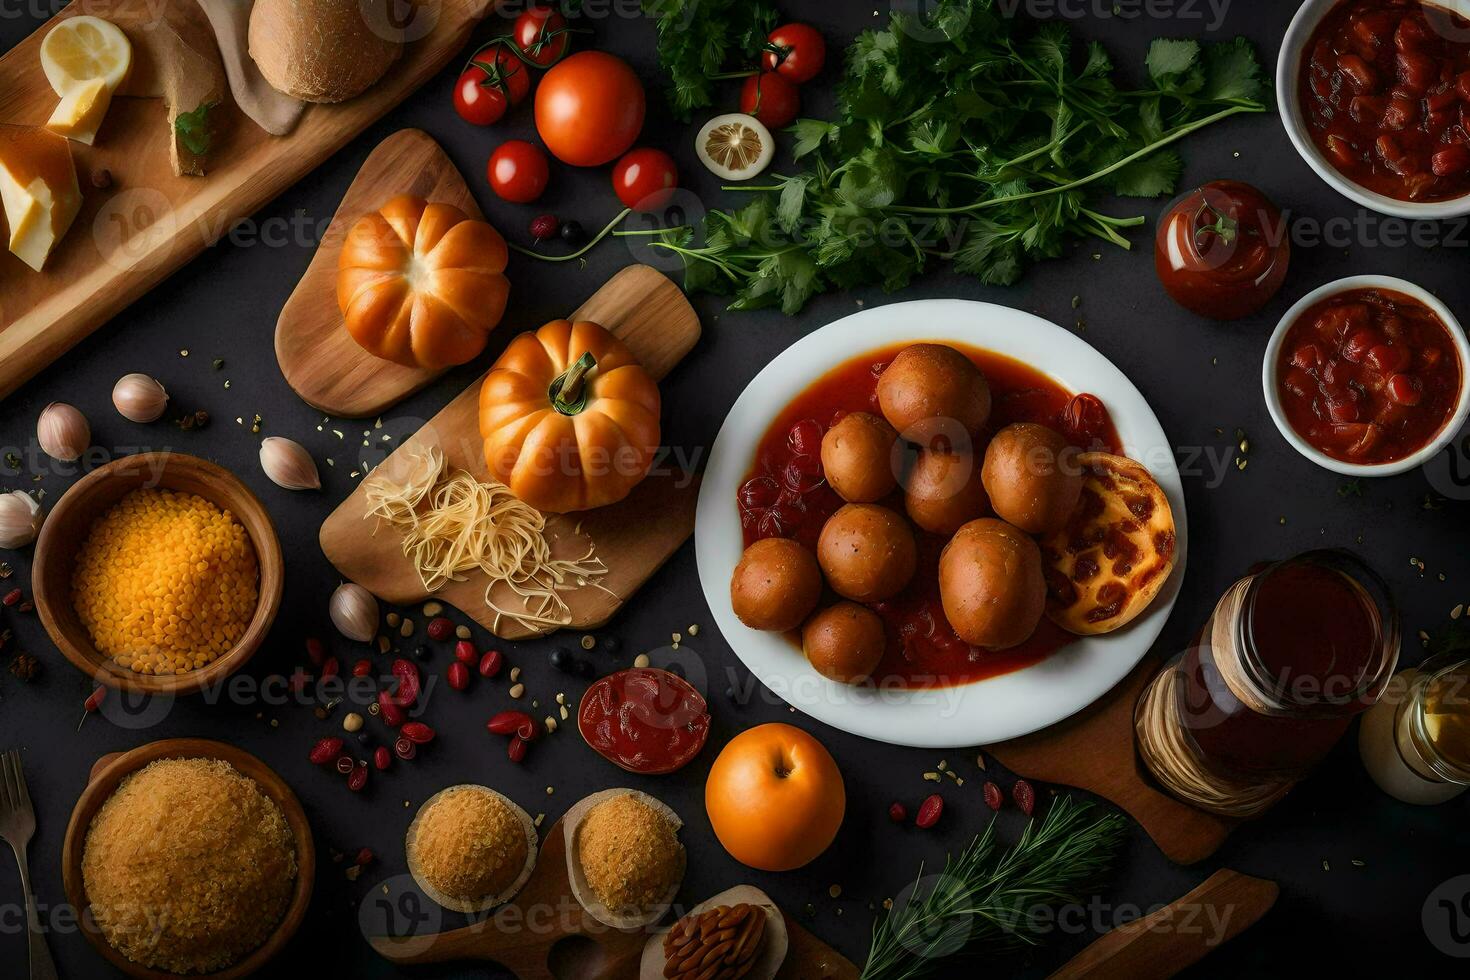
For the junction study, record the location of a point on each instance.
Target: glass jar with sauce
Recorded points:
(1416, 745)
(1290, 655)
(1222, 250)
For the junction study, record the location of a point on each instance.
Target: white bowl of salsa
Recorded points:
(1366, 376)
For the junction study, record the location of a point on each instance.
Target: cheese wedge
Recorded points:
(38, 189)
(81, 111)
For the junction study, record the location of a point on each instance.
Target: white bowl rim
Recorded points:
(978, 713)
(1278, 412)
(1288, 105)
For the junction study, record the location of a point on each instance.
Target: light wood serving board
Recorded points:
(633, 537)
(601, 954)
(1164, 943)
(131, 236)
(319, 358)
(1094, 750)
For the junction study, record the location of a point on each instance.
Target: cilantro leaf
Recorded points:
(193, 128)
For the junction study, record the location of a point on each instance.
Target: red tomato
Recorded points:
(770, 98)
(645, 178)
(589, 109)
(491, 83)
(797, 51)
(518, 171)
(541, 34)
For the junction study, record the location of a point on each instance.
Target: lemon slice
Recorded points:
(80, 49)
(735, 146)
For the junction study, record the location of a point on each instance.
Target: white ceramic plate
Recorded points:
(986, 711)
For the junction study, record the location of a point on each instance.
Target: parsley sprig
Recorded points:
(699, 39)
(986, 898)
(966, 138)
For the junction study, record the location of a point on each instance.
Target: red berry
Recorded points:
(326, 750)
(1025, 796)
(509, 722)
(464, 652)
(362, 668)
(459, 676)
(897, 812)
(358, 779)
(417, 732)
(330, 668)
(544, 226)
(315, 652)
(994, 798)
(929, 811)
(440, 629)
(364, 856)
(391, 714)
(382, 758)
(491, 663)
(405, 749)
(517, 749)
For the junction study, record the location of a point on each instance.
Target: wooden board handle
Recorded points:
(1178, 935)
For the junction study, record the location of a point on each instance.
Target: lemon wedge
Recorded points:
(80, 49)
(734, 146)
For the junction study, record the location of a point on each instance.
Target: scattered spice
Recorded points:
(24, 666)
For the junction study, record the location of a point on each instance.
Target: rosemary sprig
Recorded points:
(986, 899)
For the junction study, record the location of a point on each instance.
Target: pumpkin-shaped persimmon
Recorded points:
(421, 284)
(569, 417)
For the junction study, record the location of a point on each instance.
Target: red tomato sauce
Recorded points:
(784, 495)
(1385, 91)
(1368, 376)
(644, 719)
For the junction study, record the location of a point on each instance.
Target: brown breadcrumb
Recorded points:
(188, 866)
(468, 844)
(629, 852)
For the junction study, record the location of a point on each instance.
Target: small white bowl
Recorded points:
(1288, 77)
(1278, 411)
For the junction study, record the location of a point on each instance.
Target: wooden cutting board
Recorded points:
(320, 360)
(131, 236)
(1094, 750)
(601, 954)
(1177, 936)
(633, 537)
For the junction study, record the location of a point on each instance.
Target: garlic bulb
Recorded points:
(139, 398)
(288, 464)
(354, 612)
(20, 519)
(63, 432)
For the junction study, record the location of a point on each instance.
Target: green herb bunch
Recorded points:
(969, 138)
(987, 898)
(698, 39)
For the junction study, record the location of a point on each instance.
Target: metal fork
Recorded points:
(17, 824)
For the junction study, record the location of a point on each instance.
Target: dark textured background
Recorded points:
(1201, 377)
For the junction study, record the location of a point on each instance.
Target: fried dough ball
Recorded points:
(775, 585)
(857, 457)
(945, 492)
(931, 393)
(1032, 477)
(867, 552)
(991, 584)
(844, 642)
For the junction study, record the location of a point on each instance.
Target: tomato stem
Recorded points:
(607, 230)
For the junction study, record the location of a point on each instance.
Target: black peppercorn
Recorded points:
(561, 659)
(572, 233)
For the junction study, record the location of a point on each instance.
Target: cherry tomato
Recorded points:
(541, 34)
(797, 51)
(770, 98)
(518, 171)
(589, 109)
(491, 84)
(645, 178)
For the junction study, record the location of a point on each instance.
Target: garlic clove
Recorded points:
(20, 519)
(288, 464)
(354, 612)
(63, 432)
(139, 398)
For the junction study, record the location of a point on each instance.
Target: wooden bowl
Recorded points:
(110, 771)
(68, 523)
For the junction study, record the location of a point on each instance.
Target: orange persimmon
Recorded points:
(775, 797)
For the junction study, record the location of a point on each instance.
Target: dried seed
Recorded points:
(517, 690)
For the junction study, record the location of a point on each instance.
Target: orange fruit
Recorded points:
(775, 797)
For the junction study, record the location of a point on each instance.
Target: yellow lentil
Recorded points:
(165, 582)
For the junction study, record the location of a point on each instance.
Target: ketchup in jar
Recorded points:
(1222, 250)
